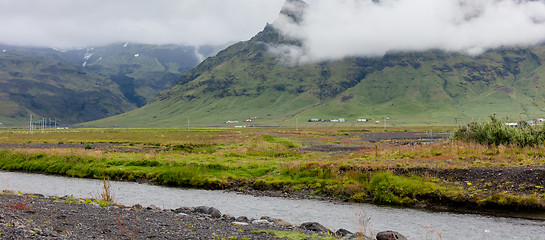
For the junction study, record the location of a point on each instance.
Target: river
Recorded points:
(416, 224)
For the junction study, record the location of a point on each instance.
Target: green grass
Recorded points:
(270, 159)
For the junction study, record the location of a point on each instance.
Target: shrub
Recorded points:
(494, 132)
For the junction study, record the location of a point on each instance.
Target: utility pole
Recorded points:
(296, 124)
(188, 125)
(30, 123)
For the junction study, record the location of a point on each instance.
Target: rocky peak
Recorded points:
(294, 9)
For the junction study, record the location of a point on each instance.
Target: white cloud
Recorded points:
(341, 28)
(78, 23)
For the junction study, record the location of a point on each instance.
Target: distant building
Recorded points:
(337, 120)
(362, 120)
(231, 122)
(512, 124)
(314, 120)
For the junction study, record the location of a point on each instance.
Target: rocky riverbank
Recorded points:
(34, 216)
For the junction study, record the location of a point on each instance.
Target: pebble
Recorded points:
(262, 221)
(241, 223)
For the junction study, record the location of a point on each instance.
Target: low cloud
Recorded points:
(343, 28)
(74, 23)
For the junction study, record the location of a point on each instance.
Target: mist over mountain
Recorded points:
(333, 30)
(260, 78)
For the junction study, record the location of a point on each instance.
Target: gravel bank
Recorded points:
(39, 217)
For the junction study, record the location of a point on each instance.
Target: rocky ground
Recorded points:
(38, 217)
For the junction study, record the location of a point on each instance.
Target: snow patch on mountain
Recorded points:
(88, 55)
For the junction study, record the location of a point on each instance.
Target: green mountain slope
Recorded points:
(431, 87)
(140, 70)
(56, 90)
(107, 80)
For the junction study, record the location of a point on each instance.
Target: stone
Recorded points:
(314, 227)
(240, 223)
(202, 209)
(214, 213)
(343, 233)
(137, 206)
(94, 204)
(243, 219)
(281, 222)
(390, 235)
(261, 221)
(184, 210)
(154, 208)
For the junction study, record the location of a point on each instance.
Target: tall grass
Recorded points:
(494, 132)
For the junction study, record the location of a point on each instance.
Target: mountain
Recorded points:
(430, 87)
(54, 89)
(81, 85)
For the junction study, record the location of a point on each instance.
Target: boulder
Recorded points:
(214, 212)
(202, 209)
(281, 222)
(390, 235)
(343, 233)
(315, 227)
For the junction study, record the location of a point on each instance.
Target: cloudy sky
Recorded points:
(331, 29)
(81, 23)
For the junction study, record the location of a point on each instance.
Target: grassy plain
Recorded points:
(362, 165)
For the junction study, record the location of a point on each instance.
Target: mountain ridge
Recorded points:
(429, 87)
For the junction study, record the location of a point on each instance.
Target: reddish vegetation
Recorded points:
(19, 206)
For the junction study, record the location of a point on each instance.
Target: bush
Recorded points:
(494, 132)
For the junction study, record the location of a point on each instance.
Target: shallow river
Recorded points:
(415, 224)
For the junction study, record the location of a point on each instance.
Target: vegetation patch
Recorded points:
(496, 132)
